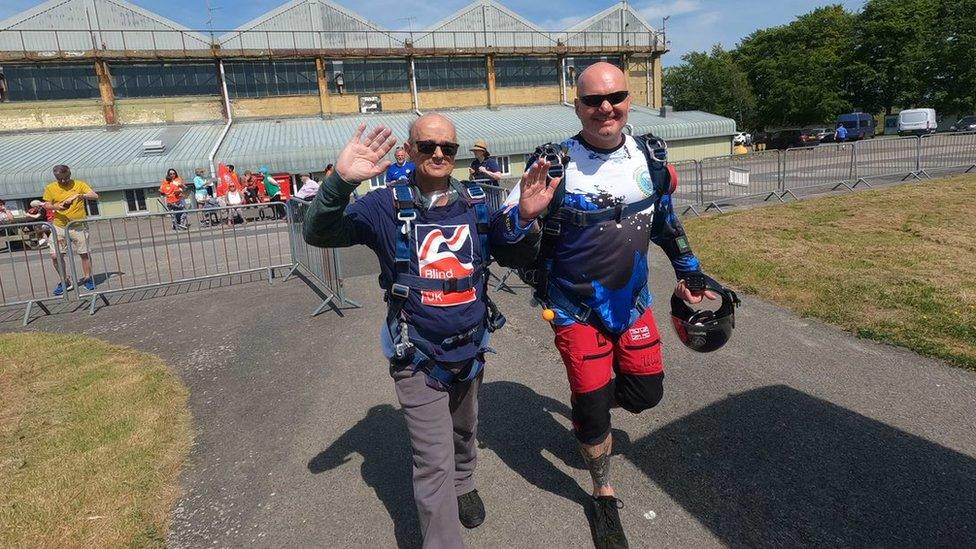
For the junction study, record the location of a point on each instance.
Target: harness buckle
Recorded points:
(552, 228)
(475, 192)
(400, 290)
(450, 285)
(583, 313)
(407, 217)
(403, 351)
(618, 211)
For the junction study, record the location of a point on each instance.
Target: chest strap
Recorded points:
(586, 218)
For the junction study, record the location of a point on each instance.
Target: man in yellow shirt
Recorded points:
(66, 197)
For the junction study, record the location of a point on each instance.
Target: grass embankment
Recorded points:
(896, 265)
(92, 437)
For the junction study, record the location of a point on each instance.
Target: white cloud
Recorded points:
(675, 7)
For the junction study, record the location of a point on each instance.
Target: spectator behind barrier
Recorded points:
(5, 215)
(66, 198)
(172, 189)
(37, 212)
(309, 188)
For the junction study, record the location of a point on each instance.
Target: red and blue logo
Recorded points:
(445, 252)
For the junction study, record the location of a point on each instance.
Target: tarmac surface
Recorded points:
(796, 433)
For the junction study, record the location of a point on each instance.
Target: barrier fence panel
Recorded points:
(322, 264)
(826, 164)
(886, 158)
(27, 274)
(146, 251)
(725, 179)
(947, 151)
(688, 194)
(495, 196)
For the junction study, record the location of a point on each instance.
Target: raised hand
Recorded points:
(362, 159)
(534, 194)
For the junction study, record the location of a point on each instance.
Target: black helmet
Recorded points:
(705, 331)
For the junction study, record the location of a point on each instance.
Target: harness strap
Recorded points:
(585, 218)
(581, 312)
(447, 285)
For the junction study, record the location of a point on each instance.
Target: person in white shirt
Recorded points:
(308, 189)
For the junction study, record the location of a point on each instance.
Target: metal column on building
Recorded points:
(106, 91)
(325, 102)
(492, 92)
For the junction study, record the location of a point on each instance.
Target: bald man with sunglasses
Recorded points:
(433, 237)
(613, 199)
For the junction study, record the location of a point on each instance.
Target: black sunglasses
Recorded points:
(428, 147)
(597, 100)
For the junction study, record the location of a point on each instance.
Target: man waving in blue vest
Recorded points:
(433, 237)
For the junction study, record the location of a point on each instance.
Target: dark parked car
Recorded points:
(814, 136)
(965, 124)
(785, 139)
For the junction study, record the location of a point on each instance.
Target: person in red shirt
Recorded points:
(172, 189)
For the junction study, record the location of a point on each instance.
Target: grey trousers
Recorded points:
(443, 428)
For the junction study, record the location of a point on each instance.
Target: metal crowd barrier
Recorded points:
(321, 264)
(725, 179)
(885, 158)
(826, 164)
(495, 196)
(688, 195)
(947, 151)
(27, 274)
(145, 251)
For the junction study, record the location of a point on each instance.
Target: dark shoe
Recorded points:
(471, 510)
(608, 533)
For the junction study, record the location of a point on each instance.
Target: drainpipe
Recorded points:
(562, 82)
(413, 89)
(230, 120)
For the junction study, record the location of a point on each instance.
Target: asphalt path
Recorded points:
(794, 434)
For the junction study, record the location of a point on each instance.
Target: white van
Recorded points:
(917, 122)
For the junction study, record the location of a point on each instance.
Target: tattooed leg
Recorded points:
(597, 459)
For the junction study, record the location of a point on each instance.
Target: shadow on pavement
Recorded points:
(518, 424)
(381, 439)
(777, 467)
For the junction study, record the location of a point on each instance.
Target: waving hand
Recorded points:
(534, 194)
(362, 159)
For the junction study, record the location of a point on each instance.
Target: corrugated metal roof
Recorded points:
(311, 143)
(113, 159)
(617, 25)
(81, 25)
(484, 21)
(108, 159)
(309, 24)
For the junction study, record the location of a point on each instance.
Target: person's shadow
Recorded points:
(776, 467)
(381, 439)
(518, 424)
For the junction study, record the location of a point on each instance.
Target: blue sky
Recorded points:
(694, 24)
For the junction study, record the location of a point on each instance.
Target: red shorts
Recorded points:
(591, 356)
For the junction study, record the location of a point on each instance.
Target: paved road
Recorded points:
(795, 434)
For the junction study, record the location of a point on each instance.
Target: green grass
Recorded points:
(896, 265)
(92, 437)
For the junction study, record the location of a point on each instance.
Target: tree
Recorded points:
(953, 55)
(799, 72)
(711, 82)
(893, 53)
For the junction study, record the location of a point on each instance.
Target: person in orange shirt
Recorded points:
(172, 189)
